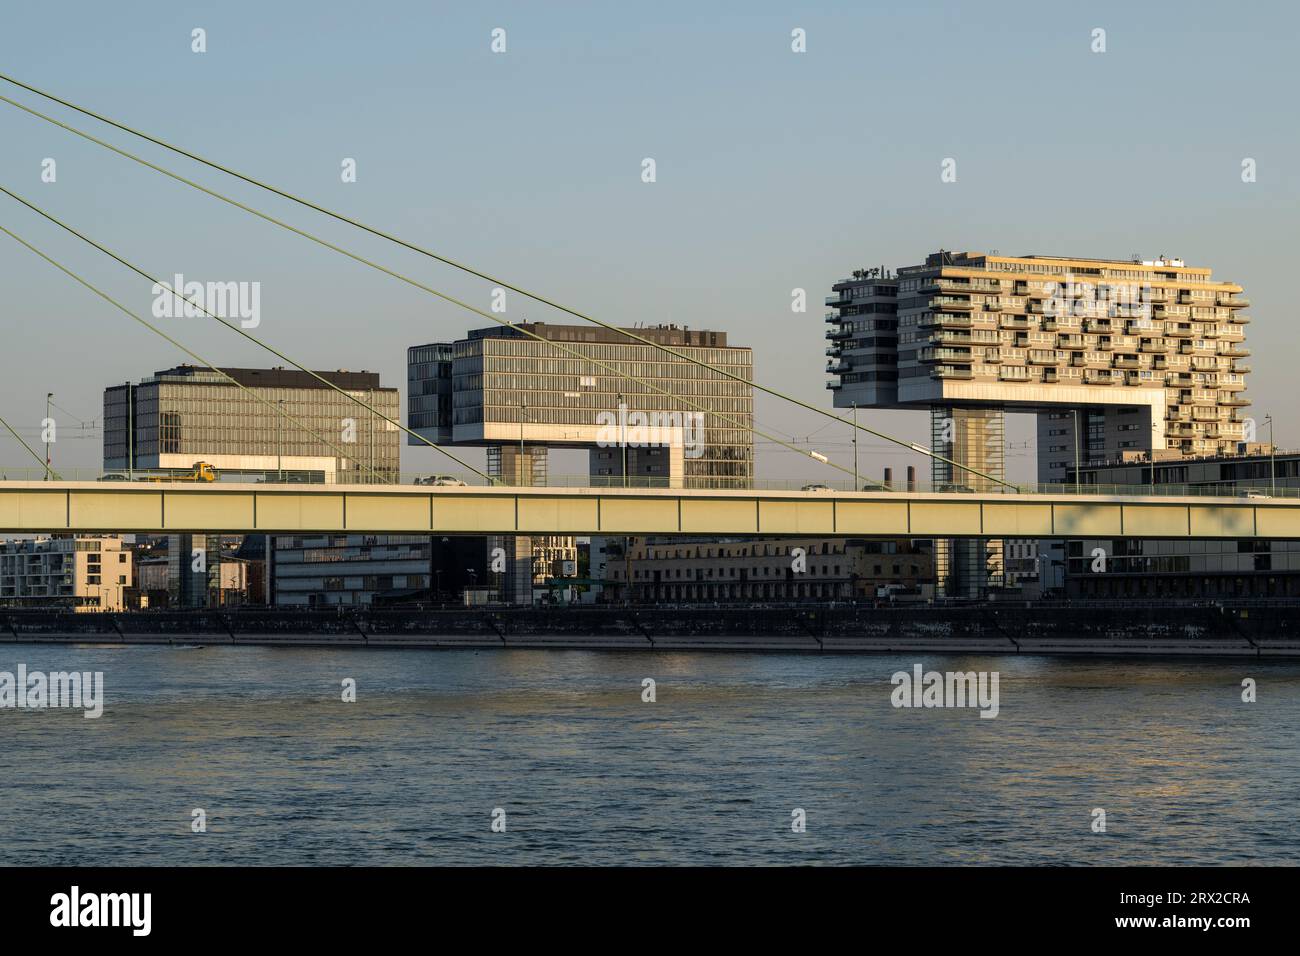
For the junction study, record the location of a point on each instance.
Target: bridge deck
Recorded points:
(230, 507)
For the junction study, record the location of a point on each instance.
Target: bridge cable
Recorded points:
(191, 354)
(50, 473)
(561, 347)
(443, 259)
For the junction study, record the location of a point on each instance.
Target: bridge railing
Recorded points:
(1288, 487)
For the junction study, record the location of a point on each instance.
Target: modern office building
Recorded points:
(520, 397)
(187, 414)
(84, 573)
(1111, 355)
(1132, 567)
(360, 569)
(769, 569)
(501, 389)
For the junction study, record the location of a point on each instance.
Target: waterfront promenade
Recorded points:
(1231, 629)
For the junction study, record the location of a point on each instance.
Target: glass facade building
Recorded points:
(509, 389)
(187, 414)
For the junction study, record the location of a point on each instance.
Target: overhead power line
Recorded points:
(194, 355)
(558, 346)
(49, 472)
(433, 255)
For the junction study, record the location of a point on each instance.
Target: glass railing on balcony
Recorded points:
(952, 371)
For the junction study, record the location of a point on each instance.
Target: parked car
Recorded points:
(441, 481)
(817, 487)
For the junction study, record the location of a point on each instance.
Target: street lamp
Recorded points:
(1152, 454)
(49, 396)
(1272, 457)
(1050, 563)
(622, 434)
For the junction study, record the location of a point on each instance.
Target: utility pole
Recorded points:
(1076, 451)
(130, 432)
(279, 442)
(49, 396)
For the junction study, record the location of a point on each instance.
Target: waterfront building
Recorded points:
(81, 573)
(1111, 355)
(769, 569)
(1146, 568)
(518, 397)
(188, 414)
(183, 415)
(363, 569)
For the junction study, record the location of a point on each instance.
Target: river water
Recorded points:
(586, 772)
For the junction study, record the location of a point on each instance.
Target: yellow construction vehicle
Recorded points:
(200, 471)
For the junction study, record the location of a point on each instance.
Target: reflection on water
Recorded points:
(587, 773)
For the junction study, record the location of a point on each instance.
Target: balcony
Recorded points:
(1098, 376)
(952, 338)
(945, 355)
(1163, 312)
(1236, 351)
(1154, 345)
(1178, 330)
(1233, 301)
(945, 320)
(840, 333)
(1014, 322)
(1238, 319)
(1074, 342)
(950, 303)
(1127, 361)
(1043, 357)
(836, 368)
(951, 371)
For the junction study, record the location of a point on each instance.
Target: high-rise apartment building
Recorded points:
(1112, 355)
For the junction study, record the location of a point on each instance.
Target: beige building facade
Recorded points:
(85, 573)
(767, 569)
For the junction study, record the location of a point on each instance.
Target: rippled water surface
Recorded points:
(587, 773)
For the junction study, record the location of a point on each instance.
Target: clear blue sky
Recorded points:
(775, 170)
